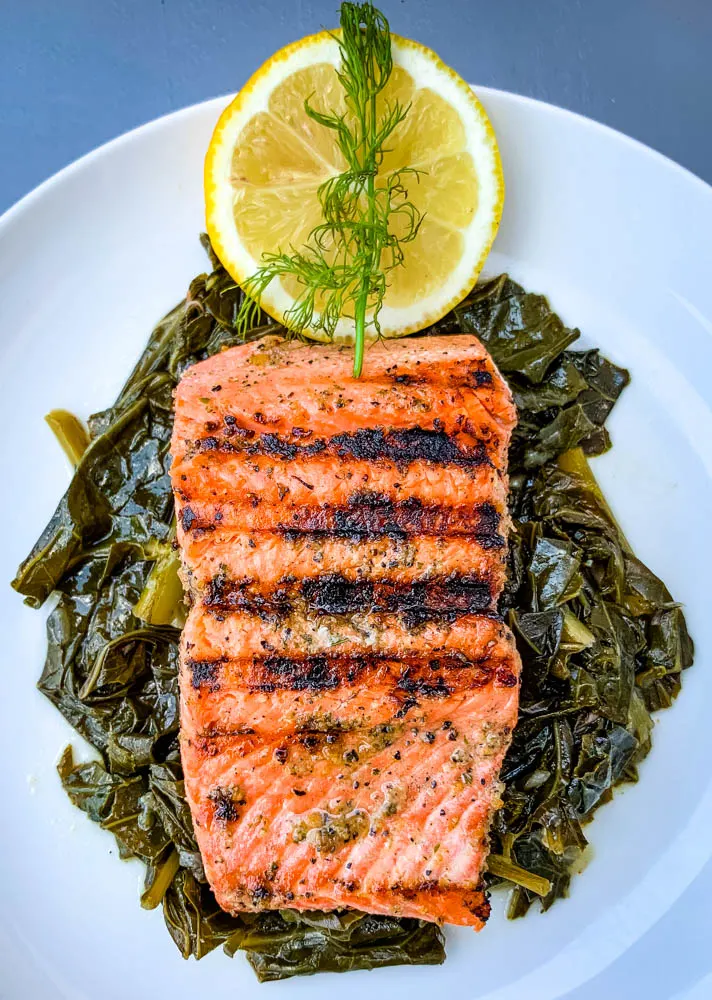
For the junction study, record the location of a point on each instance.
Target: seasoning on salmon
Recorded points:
(348, 692)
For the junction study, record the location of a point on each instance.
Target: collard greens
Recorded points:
(602, 641)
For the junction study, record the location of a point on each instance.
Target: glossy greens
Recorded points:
(603, 643)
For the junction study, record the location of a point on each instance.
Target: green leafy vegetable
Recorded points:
(291, 944)
(602, 642)
(521, 332)
(115, 802)
(342, 270)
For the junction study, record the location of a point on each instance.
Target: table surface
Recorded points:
(76, 73)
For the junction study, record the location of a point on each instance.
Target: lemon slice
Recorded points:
(267, 158)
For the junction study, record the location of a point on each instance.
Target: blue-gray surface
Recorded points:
(75, 73)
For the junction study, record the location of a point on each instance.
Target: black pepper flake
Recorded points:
(452, 735)
(281, 754)
(433, 783)
(216, 388)
(348, 864)
(187, 518)
(442, 812)
(428, 737)
(299, 791)
(428, 871)
(447, 724)
(397, 755)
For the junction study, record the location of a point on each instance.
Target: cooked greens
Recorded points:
(602, 641)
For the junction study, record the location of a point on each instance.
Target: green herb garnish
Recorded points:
(342, 270)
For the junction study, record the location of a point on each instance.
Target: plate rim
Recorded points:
(124, 138)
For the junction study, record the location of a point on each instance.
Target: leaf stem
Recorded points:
(370, 262)
(70, 432)
(505, 868)
(360, 334)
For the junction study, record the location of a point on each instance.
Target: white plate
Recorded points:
(619, 239)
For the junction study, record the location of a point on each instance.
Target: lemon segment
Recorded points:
(447, 190)
(319, 85)
(431, 128)
(269, 153)
(269, 219)
(425, 271)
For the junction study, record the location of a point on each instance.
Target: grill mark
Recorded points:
(332, 593)
(355, 535)
(316, 673)
(423, 687)
(412, 677)
(293, 535)
(412, 444)
(472, 374)
(205, 673)
(369, 515)
(375, 514)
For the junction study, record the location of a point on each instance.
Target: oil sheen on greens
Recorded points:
(602, 641)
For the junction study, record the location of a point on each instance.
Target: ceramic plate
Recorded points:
(618, 238)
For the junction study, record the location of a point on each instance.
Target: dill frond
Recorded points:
(342, 269)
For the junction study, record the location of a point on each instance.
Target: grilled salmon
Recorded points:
(348, 691)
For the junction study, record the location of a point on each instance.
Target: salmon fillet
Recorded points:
(348, 692)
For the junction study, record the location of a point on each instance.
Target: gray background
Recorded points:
(75, 73)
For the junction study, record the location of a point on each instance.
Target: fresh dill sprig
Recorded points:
(343, 267)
